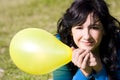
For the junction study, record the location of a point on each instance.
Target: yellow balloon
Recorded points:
(37, 51)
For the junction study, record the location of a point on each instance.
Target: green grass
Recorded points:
(16, 15)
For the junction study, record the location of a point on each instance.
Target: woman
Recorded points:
(93, 35)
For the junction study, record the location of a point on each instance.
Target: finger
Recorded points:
(92, 61)
(73, 48)
(85, 61)
(81, 58)
(75, 55)
(77, 52)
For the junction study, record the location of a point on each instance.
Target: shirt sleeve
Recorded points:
(80, 76)
(101, 75)
(62, 73)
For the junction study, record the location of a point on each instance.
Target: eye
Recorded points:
(96, 27)
(79, 27)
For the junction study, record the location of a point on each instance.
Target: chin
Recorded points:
(87, 48)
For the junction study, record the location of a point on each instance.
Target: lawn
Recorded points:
(16, 15)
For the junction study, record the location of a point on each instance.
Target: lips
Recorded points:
(87, 43)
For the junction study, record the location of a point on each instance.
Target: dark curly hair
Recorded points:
(76, 14)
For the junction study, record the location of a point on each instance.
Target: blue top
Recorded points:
(101, 75)
(63, 73)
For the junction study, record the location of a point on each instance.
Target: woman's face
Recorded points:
(88, 35)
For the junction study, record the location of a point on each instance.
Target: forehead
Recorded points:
(81, 19)
(93, 17)
(90, 20)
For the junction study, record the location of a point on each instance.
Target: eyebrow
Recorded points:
(96, 21)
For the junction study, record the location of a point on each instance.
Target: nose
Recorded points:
(86, 34)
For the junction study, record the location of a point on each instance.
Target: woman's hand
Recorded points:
(86, 61)
(95, 62)
(80, 58)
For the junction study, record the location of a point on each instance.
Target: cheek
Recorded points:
(98, 36)
(76, 36)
